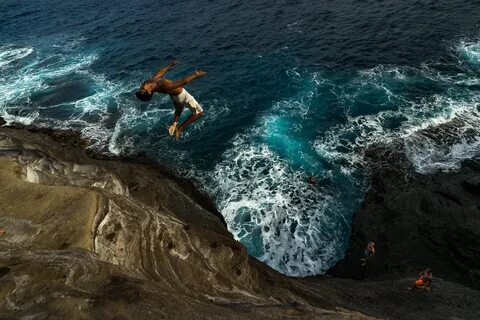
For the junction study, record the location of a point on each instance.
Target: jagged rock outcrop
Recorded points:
(107, 239)
(417, 221)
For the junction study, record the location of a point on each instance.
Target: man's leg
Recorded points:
(178, 111)
(191, 119)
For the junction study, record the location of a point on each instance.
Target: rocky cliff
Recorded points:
(92, 238)
(417, 221)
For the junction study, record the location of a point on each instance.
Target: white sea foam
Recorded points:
(9, 54)
(118, 142)
(292, 226)
(37, 75)
(470, 50)
(428, 156)
(31, 78)
(346, 141)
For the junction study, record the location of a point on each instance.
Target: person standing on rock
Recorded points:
(369, 253)
(180, 97)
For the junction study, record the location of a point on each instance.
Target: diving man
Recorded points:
(178, 94)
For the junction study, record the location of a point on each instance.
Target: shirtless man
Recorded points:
(178, 94)
(369, 252)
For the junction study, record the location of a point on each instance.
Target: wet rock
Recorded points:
(472, 185)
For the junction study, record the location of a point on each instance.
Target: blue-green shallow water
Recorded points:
(295, 88)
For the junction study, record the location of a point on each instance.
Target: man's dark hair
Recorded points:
(143, 95)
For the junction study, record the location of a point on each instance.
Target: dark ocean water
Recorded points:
(295, 88)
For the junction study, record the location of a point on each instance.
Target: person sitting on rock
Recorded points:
(369, 253)
(424, 280)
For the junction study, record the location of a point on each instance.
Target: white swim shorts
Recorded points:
(186, 98)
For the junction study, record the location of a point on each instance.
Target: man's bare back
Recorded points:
(177, 93)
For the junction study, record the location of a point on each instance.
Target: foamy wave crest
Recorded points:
(119, 141)
(444, 146)
(58, 89)
(408, 119)
(470, 50)
(18, 89)
(10, 54)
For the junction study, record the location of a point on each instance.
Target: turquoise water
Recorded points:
(295, 88)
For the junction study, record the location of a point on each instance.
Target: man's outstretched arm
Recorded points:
(180, 83)
(165, 69)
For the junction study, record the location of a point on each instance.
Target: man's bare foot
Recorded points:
(172, 129)
(178, 133)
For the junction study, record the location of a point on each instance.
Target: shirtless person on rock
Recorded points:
(178, 94)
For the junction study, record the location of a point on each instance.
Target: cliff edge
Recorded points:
(89, 238)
